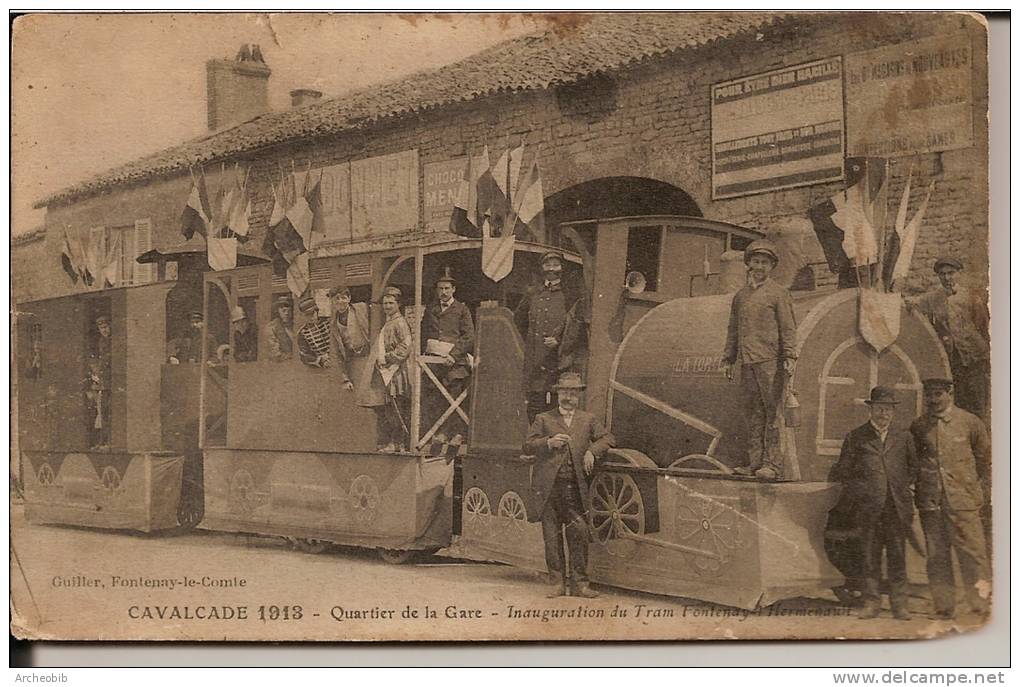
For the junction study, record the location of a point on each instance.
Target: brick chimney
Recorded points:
(303, 96)
(237, 89)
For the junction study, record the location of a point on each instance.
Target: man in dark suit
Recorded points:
(552, 319)
(953, 487)
(566, 441)
(448, 322)
(875, 467)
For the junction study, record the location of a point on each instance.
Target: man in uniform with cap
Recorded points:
(960, 318)
(99, 383)
(448, 323)
(566, 441)
(952, 488)
(550, 347)
(875, 508)
(187, 348)
(279, 332)
(245, 342)
(317, 346)
(762, 337)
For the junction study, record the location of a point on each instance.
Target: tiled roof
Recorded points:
(575, 47)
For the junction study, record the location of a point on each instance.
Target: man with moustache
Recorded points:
(960, 318)
(762, 337)
(542, 318)
(448, 321)
(953, 486)
(566, 441)
(875, 468)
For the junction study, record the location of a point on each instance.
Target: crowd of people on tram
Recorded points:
(940, 466)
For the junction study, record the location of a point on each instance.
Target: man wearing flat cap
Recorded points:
(566, 441)
(762, 338)
(279, 333)
(875, 511)
(550, 318)
(187, 348)
(447, 324)
(960, 319)
(952, 489)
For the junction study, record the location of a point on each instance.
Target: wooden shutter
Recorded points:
(143, 274)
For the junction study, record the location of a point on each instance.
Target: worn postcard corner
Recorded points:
(591, 326)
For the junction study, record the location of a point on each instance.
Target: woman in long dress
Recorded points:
(386, 386)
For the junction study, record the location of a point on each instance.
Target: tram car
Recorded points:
(277, 447)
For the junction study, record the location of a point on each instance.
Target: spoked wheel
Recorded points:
(477, 512)
(310, 545)
(616, 507)
(514, 513)
(395, 557)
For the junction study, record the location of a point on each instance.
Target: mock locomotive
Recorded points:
(278, 447)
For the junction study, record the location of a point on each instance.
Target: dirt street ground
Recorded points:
(74, 583)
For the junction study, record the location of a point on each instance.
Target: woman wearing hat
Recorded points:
(386, 386)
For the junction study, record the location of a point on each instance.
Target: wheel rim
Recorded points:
(512, 511)
(708, 525)
(616, 507)
(364, 499)
(477, 511)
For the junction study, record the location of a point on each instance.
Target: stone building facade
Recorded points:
(642, 112)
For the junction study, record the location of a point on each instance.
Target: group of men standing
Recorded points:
(942, 465)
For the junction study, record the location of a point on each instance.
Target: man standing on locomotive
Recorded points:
(875, 469)
(762, 336)
(566, 441)
(317, 347)
(550, 345)
(952, 489)
(448, 324)
(280, 331)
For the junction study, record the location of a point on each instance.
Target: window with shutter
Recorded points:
(143, 274)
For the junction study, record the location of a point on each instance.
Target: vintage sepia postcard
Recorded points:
(582, 326)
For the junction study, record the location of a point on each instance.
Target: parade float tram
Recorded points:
(283, 449)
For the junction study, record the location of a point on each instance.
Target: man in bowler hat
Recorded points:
(875, 467)
(566, 442)
(953, 483)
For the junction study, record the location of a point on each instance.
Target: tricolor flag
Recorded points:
(900, 249)
(283, 243)
(196, 215)
(297, 275)
(111, 267)
(529, 205)
(466, 219)
(845, 224)
(68, 259)
(240, 208)
(95, 255)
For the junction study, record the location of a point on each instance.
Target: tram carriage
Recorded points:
(279, 448)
